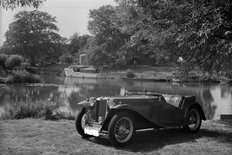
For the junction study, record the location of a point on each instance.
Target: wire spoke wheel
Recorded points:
(193, 120)
(121, 129)
(83, 121)
(80, 122)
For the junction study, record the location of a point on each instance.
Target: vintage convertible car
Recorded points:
(119, 117)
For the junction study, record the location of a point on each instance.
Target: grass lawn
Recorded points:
(38, 136)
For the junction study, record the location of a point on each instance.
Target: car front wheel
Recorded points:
(80, 122)
(193, 120)
(121, 129)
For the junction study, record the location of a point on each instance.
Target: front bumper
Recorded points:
(95, 118)
(93, 131)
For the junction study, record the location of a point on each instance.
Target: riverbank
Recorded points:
(140, 73)
(37, 136)
(20, 76)
(159, 74)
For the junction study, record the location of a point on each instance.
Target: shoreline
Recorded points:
(142, 73)
(3, 80)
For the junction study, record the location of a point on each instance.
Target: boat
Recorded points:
(81, 71)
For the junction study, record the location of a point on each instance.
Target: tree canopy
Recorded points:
(11, 4)
(34, 35)
(77, 43)
(133, 32)
(201, 30)
(160, 31)
(103, 25)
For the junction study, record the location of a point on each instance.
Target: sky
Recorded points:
(72, 15)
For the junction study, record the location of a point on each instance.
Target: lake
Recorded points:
(66, 92)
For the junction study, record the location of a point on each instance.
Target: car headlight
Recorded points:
(92, 101)
(111, 103)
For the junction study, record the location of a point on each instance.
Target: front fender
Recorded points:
(84, 103)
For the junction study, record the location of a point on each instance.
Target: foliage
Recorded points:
(134, 32)
(66, 59)
(130, 73)
(107, 37)
(199, 31)
(123, 36)
(34, 109)
(138, 48)
(77, 43)
(13, 61)
(226, 74)
(158, 32)
(22, 76)
(29, 109)
(15, 3)
(33, 34)
(97, 56)
(2, 80)
(61, 115)
(3, 58)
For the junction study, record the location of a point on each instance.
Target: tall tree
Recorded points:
(103, 25)
(34, 35)
(200, 29)
(77, 43)
(139, 47)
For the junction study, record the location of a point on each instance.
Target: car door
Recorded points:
(170, 113)
(155, 109)
(143, 105)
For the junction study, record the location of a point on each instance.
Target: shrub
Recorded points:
(35, 109)
(66, 59)
(22, 76)
(130, 73)
(48, 113)
(3, 58)
(61, 115)
(2, 80)
(13, 61)
(227, 74)
(28, 109)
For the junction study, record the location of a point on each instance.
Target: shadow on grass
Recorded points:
(153, 140)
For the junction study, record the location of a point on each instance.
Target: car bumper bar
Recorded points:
(94, 130)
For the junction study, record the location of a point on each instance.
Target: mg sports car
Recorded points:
(118, 118)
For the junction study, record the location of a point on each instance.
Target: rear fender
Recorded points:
(198, 107)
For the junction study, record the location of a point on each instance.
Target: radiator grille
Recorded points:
(99, 110)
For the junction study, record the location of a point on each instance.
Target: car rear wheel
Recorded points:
(121, 129)
(193, 120)
(80, 122)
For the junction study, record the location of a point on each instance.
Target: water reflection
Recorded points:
(67, 92)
